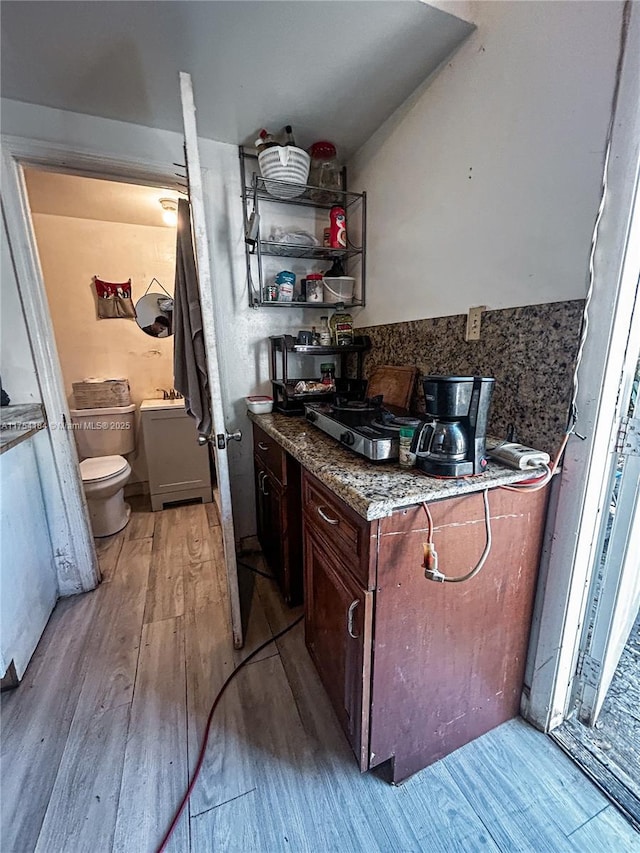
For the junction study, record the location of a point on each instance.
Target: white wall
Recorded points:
(71, 252)
(483, 187)
(243, 331)
(16, 361)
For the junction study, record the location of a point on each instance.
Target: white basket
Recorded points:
(338, 288)
(284, 163)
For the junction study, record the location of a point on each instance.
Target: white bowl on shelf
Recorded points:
(259, 404)
(284, 163)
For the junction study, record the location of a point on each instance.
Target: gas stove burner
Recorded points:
(354, 406)
(387, 420)
(343, 404)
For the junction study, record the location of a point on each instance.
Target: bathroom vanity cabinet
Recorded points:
(179, 467)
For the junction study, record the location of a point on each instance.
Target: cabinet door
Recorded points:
(338, 635)
(269, 512)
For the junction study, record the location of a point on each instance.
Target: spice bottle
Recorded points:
(288, 136)
(325, 332)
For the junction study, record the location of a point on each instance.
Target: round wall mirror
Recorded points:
(155, 314)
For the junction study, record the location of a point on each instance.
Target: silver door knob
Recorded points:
(202, 439)
(234, 436)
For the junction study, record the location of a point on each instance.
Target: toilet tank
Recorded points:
(104, 432)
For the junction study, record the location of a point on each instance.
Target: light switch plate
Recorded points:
(474, 322)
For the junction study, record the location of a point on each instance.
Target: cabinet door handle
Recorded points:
(265, 477)
(327, 518)
(260, 476)
(350, 612)
(262, 446)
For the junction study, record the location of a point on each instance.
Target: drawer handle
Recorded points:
(262, 446)
(327, 518)
(263, 487)
(351, 611)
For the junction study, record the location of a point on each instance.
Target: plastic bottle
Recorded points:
(336, 269)
(265, 140)
(338, 232)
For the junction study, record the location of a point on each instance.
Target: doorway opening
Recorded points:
(602, 730)
(89, 231)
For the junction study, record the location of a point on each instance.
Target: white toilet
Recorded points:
(103, 436)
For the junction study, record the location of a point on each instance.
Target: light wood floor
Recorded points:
(99, 739)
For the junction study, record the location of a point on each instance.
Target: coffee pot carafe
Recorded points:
(452, 441)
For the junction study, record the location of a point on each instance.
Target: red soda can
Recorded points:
(338, 231)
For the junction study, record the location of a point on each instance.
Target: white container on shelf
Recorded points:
(259, 404)
(339, 288)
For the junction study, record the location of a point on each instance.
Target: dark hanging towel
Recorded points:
(189, 355)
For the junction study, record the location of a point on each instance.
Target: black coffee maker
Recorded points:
(452, 441)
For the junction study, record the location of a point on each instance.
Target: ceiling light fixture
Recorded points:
(169, 211)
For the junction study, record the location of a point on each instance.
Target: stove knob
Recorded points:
(347, 438)
(312, 416)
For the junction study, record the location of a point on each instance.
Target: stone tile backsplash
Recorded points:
(530, 352)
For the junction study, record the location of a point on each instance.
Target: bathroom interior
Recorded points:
(133, 436)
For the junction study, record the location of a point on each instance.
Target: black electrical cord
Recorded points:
(254, 570)
(207, 730)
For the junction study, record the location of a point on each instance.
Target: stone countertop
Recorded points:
(19, 422)
(372, 489)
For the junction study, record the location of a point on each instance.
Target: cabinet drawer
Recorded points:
(346, 533)
(269, 452)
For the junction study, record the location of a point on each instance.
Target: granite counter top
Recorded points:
(18, 423)
(372, 489)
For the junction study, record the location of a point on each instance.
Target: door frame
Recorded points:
(579, 496)
(81, 571)
(615, 594)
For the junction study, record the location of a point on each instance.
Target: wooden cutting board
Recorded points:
(394, 383)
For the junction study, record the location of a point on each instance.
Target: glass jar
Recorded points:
(328, 371)
(324, 173)
(406, 458)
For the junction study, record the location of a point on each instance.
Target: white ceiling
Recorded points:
(334, 69)
(90, 198)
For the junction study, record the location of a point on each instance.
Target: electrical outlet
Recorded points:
(474, 321)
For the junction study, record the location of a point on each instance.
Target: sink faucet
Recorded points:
(172, 394)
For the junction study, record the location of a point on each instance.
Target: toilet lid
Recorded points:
(101, 467)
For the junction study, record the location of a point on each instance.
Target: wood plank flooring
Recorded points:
(99, 740)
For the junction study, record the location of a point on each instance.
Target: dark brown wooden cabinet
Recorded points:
(338, 635)
(415, 669)
(278, 513)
